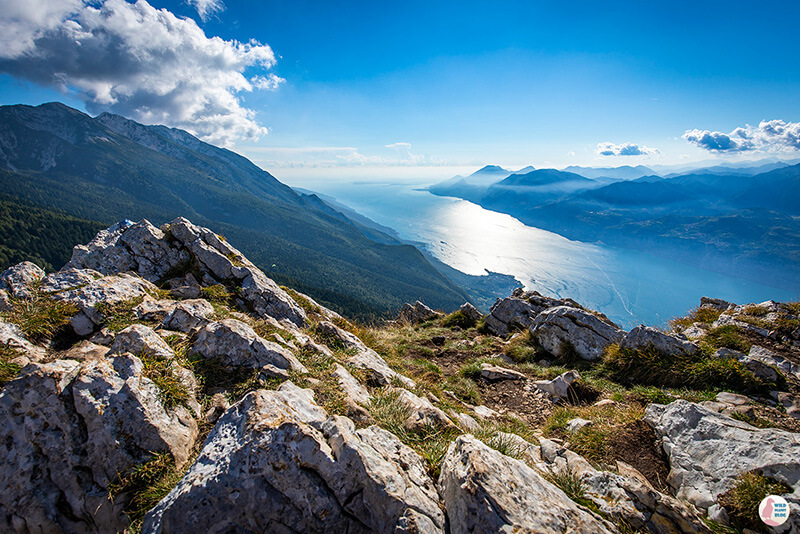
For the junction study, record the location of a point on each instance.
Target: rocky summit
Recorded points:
(161, 383)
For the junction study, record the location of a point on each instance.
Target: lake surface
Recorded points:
(629, 286)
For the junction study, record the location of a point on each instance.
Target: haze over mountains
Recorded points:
(109, 168)
(742, 221)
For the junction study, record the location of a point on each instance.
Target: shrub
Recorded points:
(743, 499)
(700, 372)
(460, 319)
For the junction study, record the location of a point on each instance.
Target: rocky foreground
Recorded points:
(161, 382)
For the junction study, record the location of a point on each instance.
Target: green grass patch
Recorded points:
(302, 301)
(119, 315)
(704, 314)
(8, 370)
(727, 336)
(460, 319)
(699, 372)
(525, 349)
(40, 317)
(217, 293)
(464, 388)
(213, 376)
(171, 390)
(571, 484)
(743, 499)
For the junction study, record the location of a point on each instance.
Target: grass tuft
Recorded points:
(40, 317)
(727, 336)
(8, 370)
(703, 314)
(743, 499)
(460, 319)
(171, 390)
(119, 315)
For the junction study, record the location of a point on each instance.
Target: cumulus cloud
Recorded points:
(768, 136)
(624, 149)
(137, 61)
(206, 8)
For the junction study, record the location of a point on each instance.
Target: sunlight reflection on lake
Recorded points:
(628, 286)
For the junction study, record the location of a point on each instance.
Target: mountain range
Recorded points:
(101, 170)
(743, 221)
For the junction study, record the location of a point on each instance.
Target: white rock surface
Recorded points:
(364, 357)
(69, 429)
(276, 463)
(486, 491)
(494, 373)
(757, 366)
(188, 315)
(139, 339)
(559, 386)
(351, 387)
(18, 278)
(423, 413)
(644, 337)
(12, 335)
(235, 343)
(416, 313)
(588, 334)
(707, 451)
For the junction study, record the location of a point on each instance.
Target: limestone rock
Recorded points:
(574, 425)
(154, 310)
(218, 406)
(559, 386)
(70, 428)
(486, 491)
(625, 495)
(470, 311)
(351, 387)
(772, 359)
(423, 413)
(235, 343)
(759, 366)
(67, 279)
(707, 451)
(728, 319)
(416, 313)
(464, 421)
(188, 315)
(139, 339)
(484, 412)
(520, 309)
(644, 337)
(364, 358)
(588, 334)
(717, 304)
(12, 336)
(85, 350)
(274, 462)
(6, 304)
(493, 373)
(18, 278)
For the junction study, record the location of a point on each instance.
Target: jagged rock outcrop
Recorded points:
(138, 340)
(471, 312)
(364, 358)
(416, 313)
(707, 451)
(237, 344)
(17, 279)
(91, 292)
(519, 310)
(13, 337)
(486, 491)
(351, 387)
(559, 386)
(423, 414)
(70, 429)
(645, 337)
(161, 254)
(188, 315)
(624, 496)
(275, 462)
(757, 366)
(585, 332)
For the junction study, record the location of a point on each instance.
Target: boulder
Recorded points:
(644, 337)
(493, 373)
(486, 491)
(588, 334)
(717, 304)
(154, 310)
(6, 303)
(236, 344)
(364, 357)
(12, 336)
(138, 340)
(188, 315)
(423, 414)
(85, 350)
(574, 425)
(18, 278)
(728, 319)
(624, 496)
(509, 313)
(70, 429)
(559, 386)
(758, 366)
(707, 451)
(470, 311)
(351, 387)
(772, 359)
(416, 313)
(276, 463)
(90, 296)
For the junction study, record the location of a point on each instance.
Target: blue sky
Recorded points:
(421, 84)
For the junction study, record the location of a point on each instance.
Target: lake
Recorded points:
(630, 287)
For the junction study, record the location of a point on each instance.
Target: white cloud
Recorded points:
(206, 8)
(624, 149)
(768, 136)
(137, 61)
